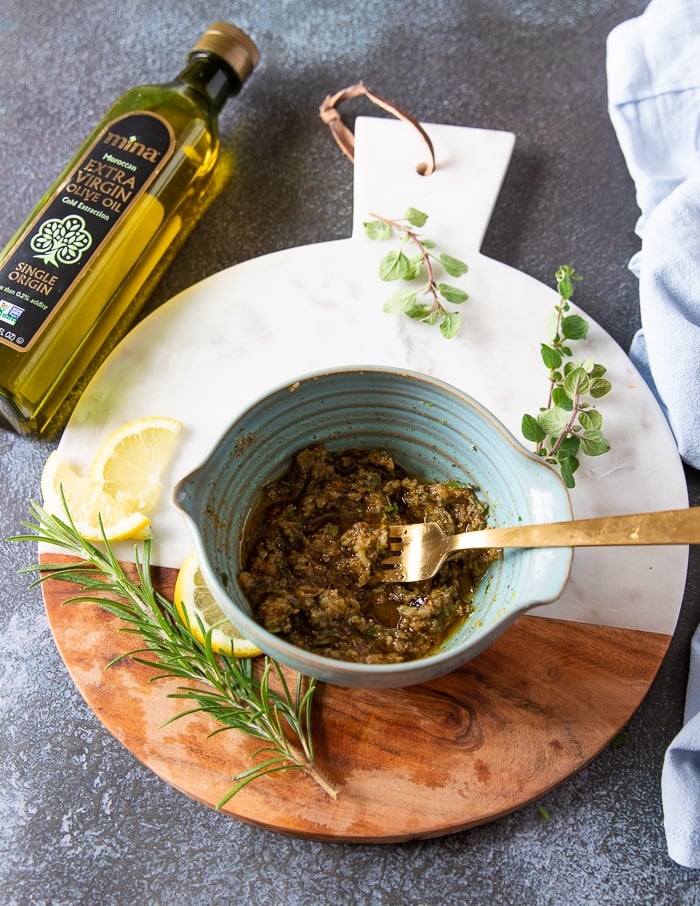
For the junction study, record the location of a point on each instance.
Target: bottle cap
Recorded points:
(232, 45)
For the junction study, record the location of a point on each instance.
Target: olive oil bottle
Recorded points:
(77, 271)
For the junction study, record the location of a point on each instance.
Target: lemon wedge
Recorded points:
(195, 602)
(130, 461)
(123, 485)
(87, 503)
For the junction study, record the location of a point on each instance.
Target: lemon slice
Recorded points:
(194, 600)
(130, 461)
(123, 485)
(87, 502)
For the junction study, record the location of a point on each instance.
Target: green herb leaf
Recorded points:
(565, 277)
(377, 229)
(532, 430)
(573, 327)
(600, 387)
(415, 217)
(416, 267)
(426, 313)
(576, 382)
(593, 443)
(395, 265)
(452, 293)
(400, 302)
(568, 424)
(450, 324)
(553, 421)
(453, 266)
(550, 356)
(569, 446)
(560, 397)
(591, 420)
(567, 467)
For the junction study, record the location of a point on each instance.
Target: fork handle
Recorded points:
(664, 527)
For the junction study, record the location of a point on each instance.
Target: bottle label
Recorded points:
(69, 230)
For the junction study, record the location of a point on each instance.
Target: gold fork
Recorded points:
(418, 551)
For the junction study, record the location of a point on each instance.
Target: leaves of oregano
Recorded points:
(395, 266)
(400, 302)
(568, 425)
(600, 387)
(591, 420)
(574, 327)
(450, 324)
(398, 265)
(532, 430)
(415, 217)
(550, 356)
(593, 443)
(377, 229)
(452, 293)
(453, 266)
(553, 421)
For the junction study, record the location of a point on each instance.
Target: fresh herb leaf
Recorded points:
(532, 430)
(450, 324)
(574, 327)
(401, 302)
(568, 425)
(397, 265)
(415, 217)
(453, 266)
(377, 229)
(452, 293)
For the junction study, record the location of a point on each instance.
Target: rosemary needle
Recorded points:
(266, 707)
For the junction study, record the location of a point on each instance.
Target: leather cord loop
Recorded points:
(343, 134)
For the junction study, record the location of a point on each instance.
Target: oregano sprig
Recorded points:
(569, 424)
(416, 258)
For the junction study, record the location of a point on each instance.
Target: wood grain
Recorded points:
(428, 760)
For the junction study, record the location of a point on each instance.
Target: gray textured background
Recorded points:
(81, 821)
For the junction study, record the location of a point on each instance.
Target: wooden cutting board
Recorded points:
(559, 684)
(423, 761)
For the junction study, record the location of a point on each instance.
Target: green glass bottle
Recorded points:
(76, 273)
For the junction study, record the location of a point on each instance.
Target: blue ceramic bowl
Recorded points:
(435, 432)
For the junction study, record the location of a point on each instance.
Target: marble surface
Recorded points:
(289, 303)
(80, 820)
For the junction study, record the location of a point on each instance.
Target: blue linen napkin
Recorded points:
(680, 777)
(653, 71)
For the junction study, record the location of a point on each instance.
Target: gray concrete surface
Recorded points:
(81, 821)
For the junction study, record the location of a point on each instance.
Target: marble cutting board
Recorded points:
(525, 724)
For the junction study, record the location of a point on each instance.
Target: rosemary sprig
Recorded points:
(568, 425)
(222, 686)
(399, 265)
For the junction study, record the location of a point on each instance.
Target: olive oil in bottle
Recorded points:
(84, 261)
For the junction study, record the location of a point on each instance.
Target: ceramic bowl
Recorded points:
(435, 432)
